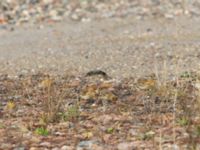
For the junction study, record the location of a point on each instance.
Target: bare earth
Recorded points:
(121, 47)
(38, 111)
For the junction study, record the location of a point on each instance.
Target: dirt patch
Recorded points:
(110, 75)
(55, 112)
(120, 47)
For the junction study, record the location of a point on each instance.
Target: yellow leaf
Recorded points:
(87, 135)
(106, 85)
(146, 83)
(46, 83)
(10, 105)
(109, 96)
(23, 129)
(90, 92)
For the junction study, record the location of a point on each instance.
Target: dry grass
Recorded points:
(161, 114)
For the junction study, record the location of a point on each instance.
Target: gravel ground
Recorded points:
(123, 38)
(121, 47)
(34, 11)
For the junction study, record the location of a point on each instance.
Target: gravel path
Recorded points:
(115, 38)
(121, 47)
(124, 38)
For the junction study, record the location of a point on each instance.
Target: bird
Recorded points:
(96, 73)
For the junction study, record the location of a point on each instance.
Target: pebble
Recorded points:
(91, 144)
(133, 132)
(169, 16)
(45, 144)
(5, 146)
(54, 15)
(125, 145)
(47, 2)
(65, 147)
(33, 148)
(85, 11)
(75, 16)
(19, 148)
(169, 146)
(55, 148)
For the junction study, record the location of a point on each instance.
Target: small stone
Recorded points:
(47, 2)
(85, 20)
(33, 1)
(25, 13)
(157, 55)
(87, 145)
(65, 147)
(33, 148)
(169, 146)
(178, 12)
(5, 146)
(24, 71)
(55, 148)
(10, 1)
(75, 16)
(169, 16)
(41, 27)
(197, 85)
(59, 133)
(186, 12)
(54, 15)
(152, 44)
(19, 148)
(34, 139)
(133, 132)
(125, 145)
(45, 144)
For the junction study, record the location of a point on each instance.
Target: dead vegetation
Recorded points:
(42, 111)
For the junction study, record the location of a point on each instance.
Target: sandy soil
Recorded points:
(121, 47)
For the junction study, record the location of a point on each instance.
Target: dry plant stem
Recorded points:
(49, 102)
(174, 116)
(160, 141)
(174, 104)
(165, 73)
(184, 5)
(176, 91)
(156, 72)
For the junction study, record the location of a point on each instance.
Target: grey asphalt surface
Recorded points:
(121, 47)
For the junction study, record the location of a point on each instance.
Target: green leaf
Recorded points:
(183, 121)
(41, 131)
(110, 130)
